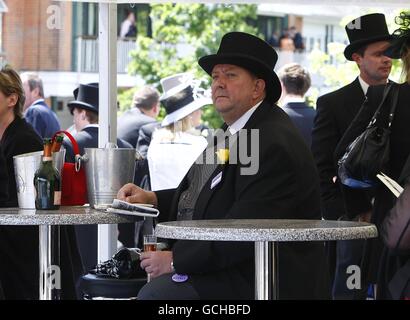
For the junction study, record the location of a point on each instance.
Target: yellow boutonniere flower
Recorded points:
(223, 155)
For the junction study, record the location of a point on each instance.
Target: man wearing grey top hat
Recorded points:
(285, 185)
(369, 38)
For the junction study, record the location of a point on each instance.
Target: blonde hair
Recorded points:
(182, 125)
(10, 83)
(172, 131)
(405, 57)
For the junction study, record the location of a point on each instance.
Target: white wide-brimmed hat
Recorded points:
(180, 97)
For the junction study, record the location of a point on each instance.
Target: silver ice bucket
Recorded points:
(25, 166)
(107, 170)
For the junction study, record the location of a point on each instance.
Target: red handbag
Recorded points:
(74, 183)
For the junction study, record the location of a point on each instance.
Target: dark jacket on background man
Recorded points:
(145, 136)
(141, 177)
(335, 112)
(43, 119)
(87, 138)
(286, 186)
(302, 116)
(19, 245)
(129, 125)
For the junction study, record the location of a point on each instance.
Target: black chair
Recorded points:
(109, 288)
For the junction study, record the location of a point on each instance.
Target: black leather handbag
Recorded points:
(125, 264)
(369, 153)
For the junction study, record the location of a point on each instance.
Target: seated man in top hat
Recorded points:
(280, 181)
(85, 112)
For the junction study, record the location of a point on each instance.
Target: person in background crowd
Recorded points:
(145, 109)
(19, 245)
(85, 109)
(274, 39)
(297, 38)
(85, 118)
(380, 264)
(285, 185)
(36, 111)
(295, 81)
(178, 134)
(335, 112)
(286, 42)
(128, 27)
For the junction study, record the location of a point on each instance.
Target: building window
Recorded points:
(3, 8)
(268, 25)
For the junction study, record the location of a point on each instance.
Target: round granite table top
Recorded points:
(265, 230)
(63, 216)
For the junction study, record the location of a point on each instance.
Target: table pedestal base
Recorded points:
(49, 259)
(266, 262)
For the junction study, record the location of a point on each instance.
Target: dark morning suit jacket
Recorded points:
(87, 234)
(87, 138)
(399, 152)
(145, 136)
(302, 116)
(286, 186)
(335, 112)
(141, 177)
(19, 266)
(129, 125)
(43, 119)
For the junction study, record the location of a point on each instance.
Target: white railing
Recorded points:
(87, 54)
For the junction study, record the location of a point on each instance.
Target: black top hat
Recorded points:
(364, 30)
(249, 52)
(86, 97)
(401, 36)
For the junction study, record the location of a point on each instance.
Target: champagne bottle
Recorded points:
(56, 145)
(47, 182)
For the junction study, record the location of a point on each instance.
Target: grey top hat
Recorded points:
(179, 97)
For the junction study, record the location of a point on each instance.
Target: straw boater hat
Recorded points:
(401, 36)
(179, 97)
(85, 97)
(365, 30)
(251, 53)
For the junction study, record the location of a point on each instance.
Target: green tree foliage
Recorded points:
(181, 34)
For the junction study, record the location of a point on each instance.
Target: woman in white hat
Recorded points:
(177, 144)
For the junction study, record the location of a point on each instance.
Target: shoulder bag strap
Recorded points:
(376, 113)
(395, 97)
